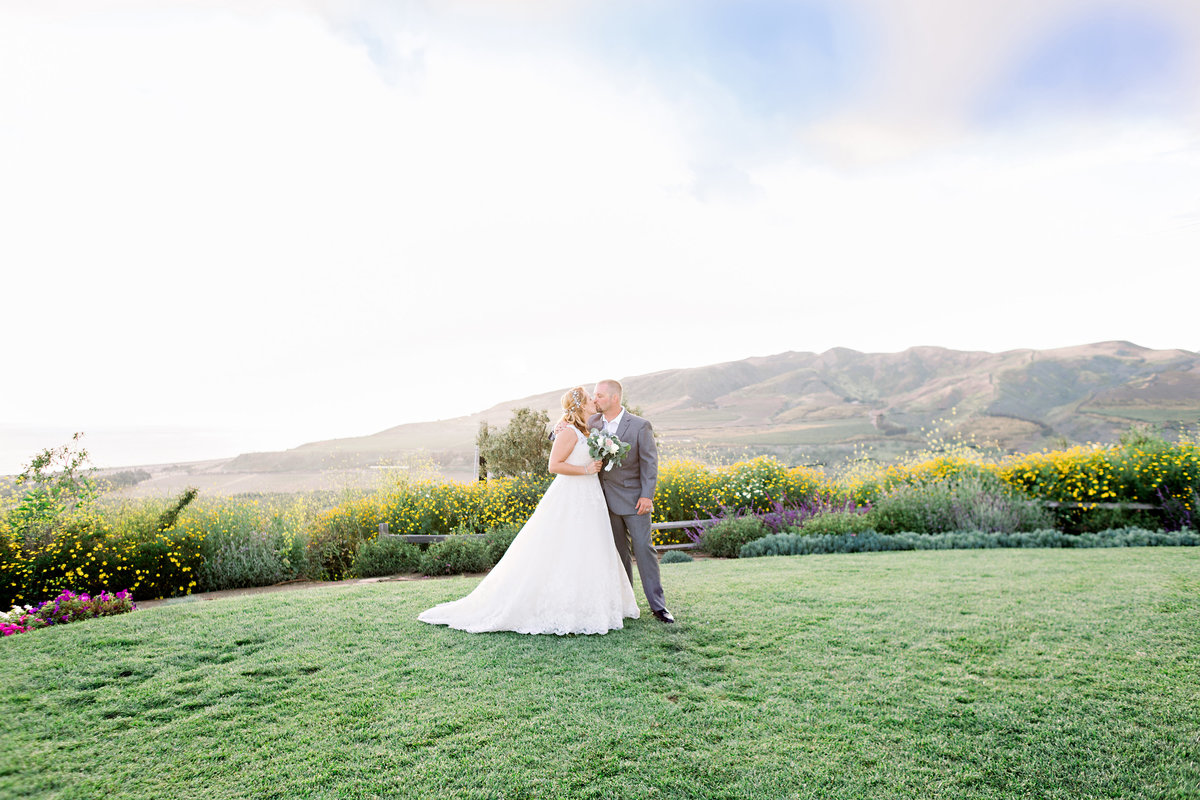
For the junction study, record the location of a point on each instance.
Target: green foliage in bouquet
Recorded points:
(608, 448)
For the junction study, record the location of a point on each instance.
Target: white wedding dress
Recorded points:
(561, 574)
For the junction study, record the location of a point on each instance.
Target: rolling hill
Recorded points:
(817, 407)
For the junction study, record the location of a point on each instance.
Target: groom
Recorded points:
(629, 490)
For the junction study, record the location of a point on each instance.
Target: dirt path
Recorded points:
(289, 586)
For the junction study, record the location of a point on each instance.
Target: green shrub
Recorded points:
(793, 544)
(971, 502)
(676, 557)
(127, 477)
(836, 522)
(1090, 520)
(14, 569)
(170, 516)
(725, 539)
(332, 545)
(386, 555)
(455, 555)
(498, 540)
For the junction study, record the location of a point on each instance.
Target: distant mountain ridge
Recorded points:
(827, 402)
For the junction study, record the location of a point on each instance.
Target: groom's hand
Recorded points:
(645, 505)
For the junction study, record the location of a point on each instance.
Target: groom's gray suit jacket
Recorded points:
(636, 477)
(638, 474)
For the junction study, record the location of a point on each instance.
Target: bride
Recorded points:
(561, 574)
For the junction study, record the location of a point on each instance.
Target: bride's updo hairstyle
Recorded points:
(573, 403)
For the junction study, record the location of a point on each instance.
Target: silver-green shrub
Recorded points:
(970, 503)
(794, 544)
(242, 558)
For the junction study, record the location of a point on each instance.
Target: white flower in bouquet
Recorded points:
(607, 448)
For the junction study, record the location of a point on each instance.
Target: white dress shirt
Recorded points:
(610, 426)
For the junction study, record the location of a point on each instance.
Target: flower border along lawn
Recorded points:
(960, 674)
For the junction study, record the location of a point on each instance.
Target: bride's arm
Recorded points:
(563, 445)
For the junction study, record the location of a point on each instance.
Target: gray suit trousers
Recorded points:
(635, 529)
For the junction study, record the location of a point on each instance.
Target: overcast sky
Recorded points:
(228, 226)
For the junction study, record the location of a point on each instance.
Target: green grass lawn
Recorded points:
(955, 674)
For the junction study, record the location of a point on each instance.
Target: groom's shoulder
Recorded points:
(593, 420)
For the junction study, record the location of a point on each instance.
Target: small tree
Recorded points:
(57, 481)
(522, 448)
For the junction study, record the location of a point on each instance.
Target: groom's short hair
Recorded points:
(614, 386)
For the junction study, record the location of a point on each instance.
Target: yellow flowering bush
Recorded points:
(87, 554)
(687, 490)
(116, 546)
(420, 507)
(1146, 470)
(867, 486)
(1145, 473)
(1163, 474)
(119, 545)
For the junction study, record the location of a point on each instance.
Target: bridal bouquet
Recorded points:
(608, 448)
